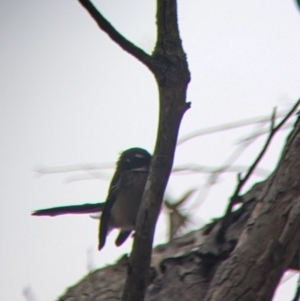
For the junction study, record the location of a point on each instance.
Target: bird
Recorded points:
(125, 192)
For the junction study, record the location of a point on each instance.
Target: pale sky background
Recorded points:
(69, 95)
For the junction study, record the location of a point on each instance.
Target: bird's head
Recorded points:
(134, 159)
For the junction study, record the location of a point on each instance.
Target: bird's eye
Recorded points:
(139, 155)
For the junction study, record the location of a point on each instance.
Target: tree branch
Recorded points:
(125, 44)
(172, 76)
(270, 240)
(242, 181)
(169, 66)
(168, 37)
(227, 126)
(298, 4)
(273, 131)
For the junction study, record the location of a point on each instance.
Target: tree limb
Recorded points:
(235, 198)
(227, 126)
(172, 76)
(125, 44)
(169, 66)
(273, 131)
(270, 240)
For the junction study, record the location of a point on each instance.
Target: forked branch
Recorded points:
(235, 198)
(169, 66)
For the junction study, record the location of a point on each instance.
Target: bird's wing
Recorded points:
(72, 209)
(104, 221)
(123, 235)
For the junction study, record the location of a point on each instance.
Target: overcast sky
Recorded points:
(70, 96)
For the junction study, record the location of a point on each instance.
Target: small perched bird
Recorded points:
(123, 200)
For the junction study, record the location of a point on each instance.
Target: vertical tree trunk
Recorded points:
(172, 76)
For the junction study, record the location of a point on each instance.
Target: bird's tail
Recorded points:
(72, 209)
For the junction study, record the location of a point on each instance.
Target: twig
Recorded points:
(225, 127)
(71, 168)
(273, 131)
(195, 168)
(125, 44)
(262, 132)
(235, 198)
(190, 168)
(298, 4)
(203, 192)
(88, 176)
(226, 167)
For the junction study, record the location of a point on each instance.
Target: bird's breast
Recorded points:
(130, 191)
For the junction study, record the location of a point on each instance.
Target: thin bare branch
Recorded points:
(263, 132)
(41, 170)
(88, 176)
(203, 192)
(235, 198)
(177, 170)
(195, 168)
(125, 44)
(228, 126)
(177, 218)
(225, 167)
(273, 131)
(273, 117)
(188, 168)
(298, 4)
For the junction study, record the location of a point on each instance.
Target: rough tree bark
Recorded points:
(261, 243)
